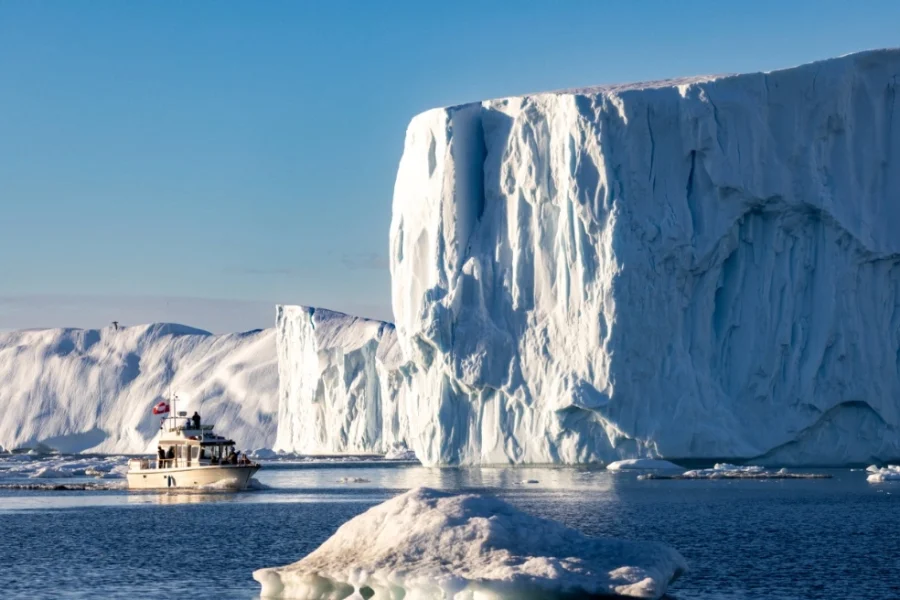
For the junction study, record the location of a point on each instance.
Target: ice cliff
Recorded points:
(92, 390)
(341, 389)
(707, 267)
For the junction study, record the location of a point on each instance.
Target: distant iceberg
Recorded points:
(427, 544)
(78, 390)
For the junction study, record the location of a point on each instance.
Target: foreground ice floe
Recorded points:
(643, 464)
(888, 473)
(427, 544)
(727, 471)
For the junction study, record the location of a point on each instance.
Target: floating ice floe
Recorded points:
(888, 473)
(352, 480)
(400, 453)
(50, 473)
(57, 466)
(727, 471)
(426, 544)
(264, 453)
(64, 487)
(643, 464)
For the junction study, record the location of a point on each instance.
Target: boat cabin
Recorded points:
(183, 444)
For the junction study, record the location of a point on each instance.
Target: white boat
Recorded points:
(190, 456)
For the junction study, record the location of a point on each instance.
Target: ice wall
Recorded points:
(92, 390)
(697, 268)
(340, 386)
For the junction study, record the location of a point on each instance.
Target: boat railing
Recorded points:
(183, 427)
(172, 463)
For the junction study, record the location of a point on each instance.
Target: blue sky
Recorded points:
(201, 161)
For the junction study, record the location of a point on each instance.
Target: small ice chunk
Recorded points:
(50, 473)
(427, 544)
(264, 453)
(728, 471)
(643, 464)
(888, 473)
(400, 452)
(352, 480)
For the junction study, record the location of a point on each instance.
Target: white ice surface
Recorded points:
(643, 464)
(888, 473)
(425, 545)
(78, 390)
(691, 269)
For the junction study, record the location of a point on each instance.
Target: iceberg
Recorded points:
(425, 544)
(78, 390)
(697, 268)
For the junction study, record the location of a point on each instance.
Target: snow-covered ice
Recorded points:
(92, 390)
(643, 464)
(426, 544)
(888, 473)
(700, 268)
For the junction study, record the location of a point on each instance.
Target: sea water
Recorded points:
(786, 539)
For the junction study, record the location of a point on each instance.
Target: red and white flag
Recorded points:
(161, 408)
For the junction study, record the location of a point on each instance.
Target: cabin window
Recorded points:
(195, 452)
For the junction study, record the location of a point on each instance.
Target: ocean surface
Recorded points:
(766, 539)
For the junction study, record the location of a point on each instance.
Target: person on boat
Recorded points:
(160, 454)
(171, 453)
(232, 457)
(196, 420)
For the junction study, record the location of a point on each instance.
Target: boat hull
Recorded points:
(227, 477)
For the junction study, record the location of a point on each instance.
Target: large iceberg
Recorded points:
(707, 267)
(430, 545)
(92, 389)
